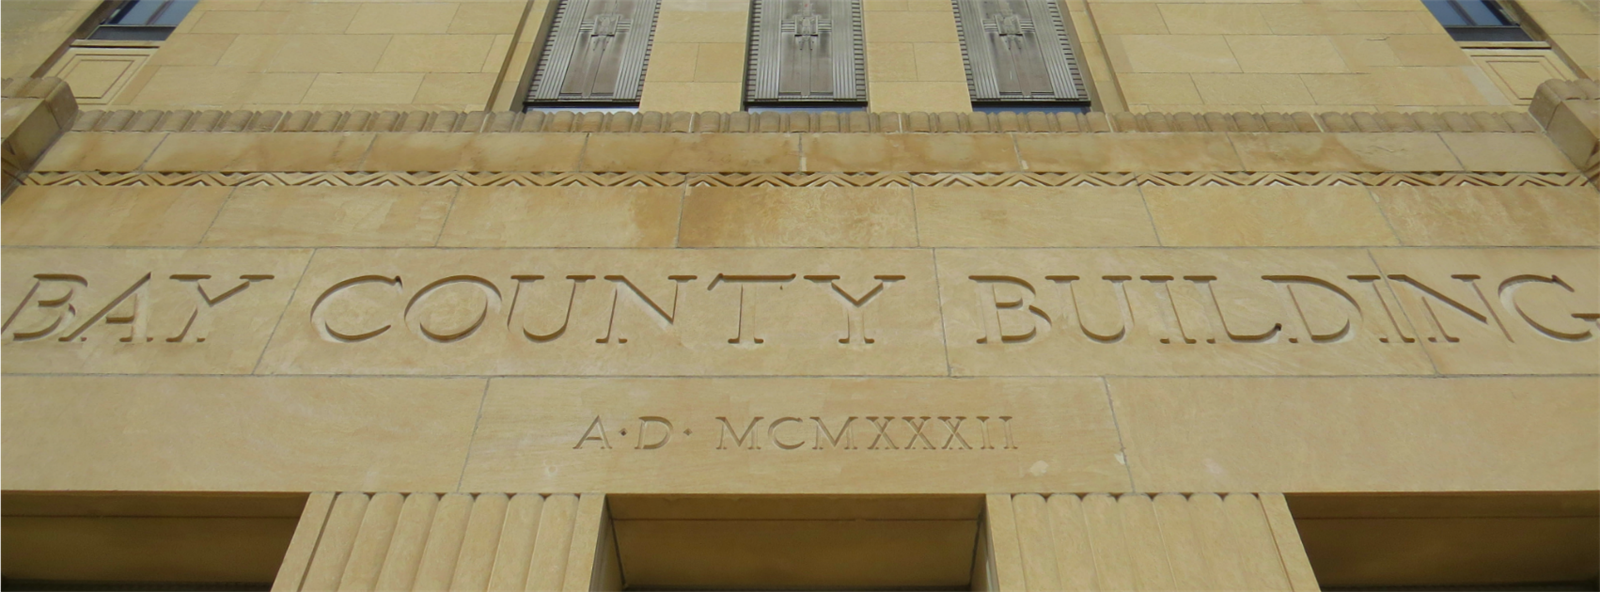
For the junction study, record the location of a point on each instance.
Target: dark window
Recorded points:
(806, 52)
(143, 20)
(1018, 50)
(1476, 20)
(596, 54)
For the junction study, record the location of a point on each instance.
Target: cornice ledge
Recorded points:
(128, 120)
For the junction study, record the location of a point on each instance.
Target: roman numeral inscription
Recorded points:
(810, 312)
(796, 434)
(871, 432)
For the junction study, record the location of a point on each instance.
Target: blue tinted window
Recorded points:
(162, 13)
(1467, 13)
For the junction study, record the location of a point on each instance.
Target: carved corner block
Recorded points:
(36, 112)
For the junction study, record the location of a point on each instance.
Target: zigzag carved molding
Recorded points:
(524, 179)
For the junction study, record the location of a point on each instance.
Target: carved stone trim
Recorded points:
(524, 179)
(826, 122)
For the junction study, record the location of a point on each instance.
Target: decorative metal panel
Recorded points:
(807, 51)
(1018, 50)
(596, 53)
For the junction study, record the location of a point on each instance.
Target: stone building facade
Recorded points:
(801, 294)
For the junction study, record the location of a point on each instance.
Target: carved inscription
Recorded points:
(1277, 308)
(1028, 312)
(541, 309)
(851, 433)
(54, 308)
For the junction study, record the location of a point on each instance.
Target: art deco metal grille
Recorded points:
(806, 51)
(597, 52)
(1018, 50)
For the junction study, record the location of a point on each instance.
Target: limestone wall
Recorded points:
(1286, 56)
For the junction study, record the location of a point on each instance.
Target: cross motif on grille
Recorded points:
(1007, 24)
(605, 25)
(807, 27)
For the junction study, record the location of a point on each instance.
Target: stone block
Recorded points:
(563, 217)
(329, 53)
(1266, 217)
(910, 27)
(1060, 437)
(423, 151)
(1492, 216)
(690, 153)
(245, 152)
(1129, 19)
(110, 216)
(207, 433)
(331, 217)
(98, 151)
(1347, 434)
(1287, 54)
(1172, 53)
(412, 18)
(1380, 152)
(364, 88)
(500, 18)
(1159, 89)
(1170, 312)
(906, 97)
(1127, 152)
(1264, 89)
(138, 311)
(1500, 311)
(798, 217)
(656, 312)
(435, 53)
(1032, 217)
(1213, 19)
(910, 152)
(1507, 152)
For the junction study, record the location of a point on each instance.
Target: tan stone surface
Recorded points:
(110, 216)
(1532, 311)
(929, 96)
(111, 548)
(798, 217)
(1266, 217)
(1127, 152)
(1172, 53)
(817, 554)
(95, 151)
(1311, 54)
(123, 311)
(260, 152)
(238, 434)
(1492, 216)
(1360, 434)
(331, 217)
(1507, 152)
(456, 311)
(1032, 217)
(1061, 431)
(909, 152)
(474, 152)
(1004, 315)
(692, 152)
(563, 217)
(1375, 152)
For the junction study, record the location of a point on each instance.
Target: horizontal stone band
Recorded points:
(586, 179)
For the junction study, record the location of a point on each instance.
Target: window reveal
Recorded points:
(596, 53)
(806, 51)
(1018, 50)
